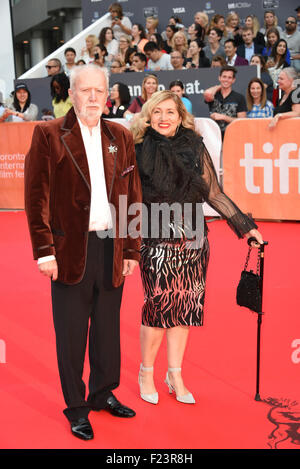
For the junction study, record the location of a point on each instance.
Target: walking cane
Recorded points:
(259, 315)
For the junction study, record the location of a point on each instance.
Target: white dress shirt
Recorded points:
(100, 214)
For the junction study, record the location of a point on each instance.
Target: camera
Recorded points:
(97, 56)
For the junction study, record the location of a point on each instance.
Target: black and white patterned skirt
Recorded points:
(173, 277)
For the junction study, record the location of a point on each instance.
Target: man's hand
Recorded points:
(129, 266)
(49, 269)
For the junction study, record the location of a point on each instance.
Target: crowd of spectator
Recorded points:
(220, 41)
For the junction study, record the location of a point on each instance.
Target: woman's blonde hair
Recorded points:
(139, 127)
(249, 99)
(255, 24)
(153, 20)
(230, 16)
(93, 38)
(153, 77)
(173, 40)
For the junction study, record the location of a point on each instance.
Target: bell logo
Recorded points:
(284, 163)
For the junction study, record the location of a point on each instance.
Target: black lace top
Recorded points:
(180, 170)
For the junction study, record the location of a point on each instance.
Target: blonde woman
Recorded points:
(232, 23)
(124, 44)
(149, 87)
(175, 168)
(151, 26)
(87, 53)
(252, 22)
(180, 43)
(270, 21)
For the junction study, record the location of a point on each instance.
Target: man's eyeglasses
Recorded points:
(290, 22)
(50, 66)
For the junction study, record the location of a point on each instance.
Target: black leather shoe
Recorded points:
(82, 429)
(115, 407)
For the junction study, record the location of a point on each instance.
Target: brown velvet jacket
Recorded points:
(58, 194)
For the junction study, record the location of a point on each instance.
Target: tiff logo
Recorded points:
(284, 163)
(2, 351)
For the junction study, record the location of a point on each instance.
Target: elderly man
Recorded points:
(77, 168)
(53, 67)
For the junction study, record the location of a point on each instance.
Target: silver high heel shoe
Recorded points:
(152, 398)
(186, 398)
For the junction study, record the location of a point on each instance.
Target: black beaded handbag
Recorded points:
(249, 292)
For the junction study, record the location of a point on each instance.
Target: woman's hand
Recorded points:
(255, 234)
(274, 121)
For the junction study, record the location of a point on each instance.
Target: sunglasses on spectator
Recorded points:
(51, 66)
(290, 22)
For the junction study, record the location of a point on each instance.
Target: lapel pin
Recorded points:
(112, 149)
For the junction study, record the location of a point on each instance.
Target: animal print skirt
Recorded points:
(173, 277)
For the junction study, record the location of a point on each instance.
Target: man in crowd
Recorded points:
(249, 47)
(231, 54)
(292, 37)
(53, 67)
(139, 63)
(77, 168)
(177, 60)
(225, 105)
(158, 60)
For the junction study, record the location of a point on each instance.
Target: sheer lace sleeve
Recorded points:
(238, 221)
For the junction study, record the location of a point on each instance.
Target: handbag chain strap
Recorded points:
(258, 259)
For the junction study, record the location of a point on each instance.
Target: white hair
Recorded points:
(79, 68)
(290, 72)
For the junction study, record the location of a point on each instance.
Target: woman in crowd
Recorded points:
(100, 56)
(149, 87)
(233, 28)
(256, 98)
(175, 168)
(170, 31)
(61, 102)
(120, 100)
(124, 44)
(218, 61)
(130, 53)
(265, 77)
(214, 46)
(151, 26)
(87, 53)
(107, 40)
(156, 37)
(180, 43)
(289, 104)
(21, 109)
(270, 21)
(201, 18)
(120, 24)
(252, 22)
(139, 38)
(272, 37)
(177, 87)
(195, 31)
(70, 56)
(277, 60)
(196, 57)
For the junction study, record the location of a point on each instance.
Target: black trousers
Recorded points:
(88, 312)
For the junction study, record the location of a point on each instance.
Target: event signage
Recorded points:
(262, 167)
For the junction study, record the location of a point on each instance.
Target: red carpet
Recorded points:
(219, 364)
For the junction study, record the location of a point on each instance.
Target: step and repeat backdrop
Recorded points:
(138, 10)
